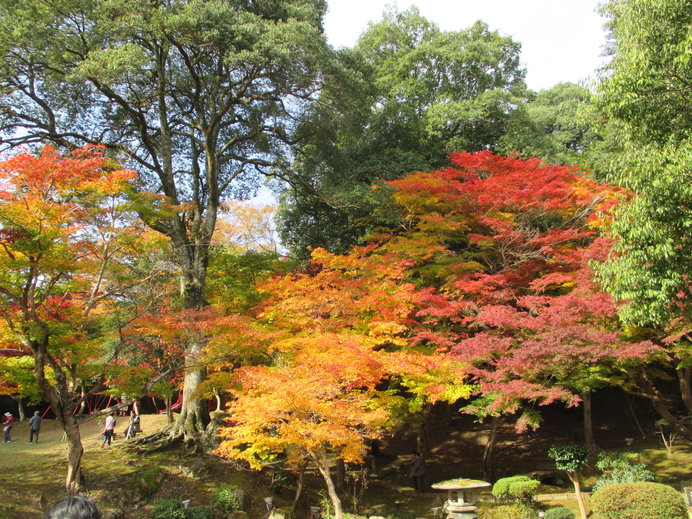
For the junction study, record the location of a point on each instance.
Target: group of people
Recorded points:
(109, 428)
(132, 429)
(34, 426)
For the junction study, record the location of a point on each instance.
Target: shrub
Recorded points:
(149, 480)
(518, 487)
(168, 509)
(638, 501)
(228, 499)
(514, 511)
(559, 512)
(199, 512)
(570, 458)
(621, 468)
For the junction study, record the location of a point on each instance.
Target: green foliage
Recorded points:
(559, 512)
(638, 501)
(18, 375)
(553, 126)
(168, 509)
(401, 513)
(620, 468)
(406, 95)
(513, 511)
(518, 487)
(227, 499)
(570, 458)
(647, 93)
(149, 479)
(648, 87)
(199, 512)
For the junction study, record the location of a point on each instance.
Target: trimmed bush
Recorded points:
(638, 501)
(559, 513)
(227, 499)
(517, 487)
(515, 511)
(623, 467)
(168, 509)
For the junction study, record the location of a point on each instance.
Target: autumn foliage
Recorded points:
(483, 292)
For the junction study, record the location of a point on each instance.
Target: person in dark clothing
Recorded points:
(417, 472)
(73, 507)
(34, 427)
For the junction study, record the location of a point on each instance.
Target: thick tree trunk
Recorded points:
(193, 259)
(194, 414)
(589, 442)
(323, 466)
(574, 477)
(74, 457)
(495, 423)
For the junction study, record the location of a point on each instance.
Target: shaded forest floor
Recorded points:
(121, 481)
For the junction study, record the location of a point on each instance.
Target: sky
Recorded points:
(562, 40)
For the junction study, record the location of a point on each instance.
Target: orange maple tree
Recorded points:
(68, 244)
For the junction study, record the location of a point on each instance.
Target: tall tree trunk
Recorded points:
(574, 478)
(340, 474)
(323, 466)
(589, 442)
(20, 408)
(685, 379)
(169, 411)
(495, 423)
(193, 258)
(422, 436)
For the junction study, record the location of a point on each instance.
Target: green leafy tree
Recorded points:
(554, 125)
(198, 96)
(571, 459)
(649, 92)
(646, 96)
(408, 94)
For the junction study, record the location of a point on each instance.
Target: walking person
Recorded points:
(417, 472)
(34, 427)
(133, 426)
(7, 423)
(108, 429)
